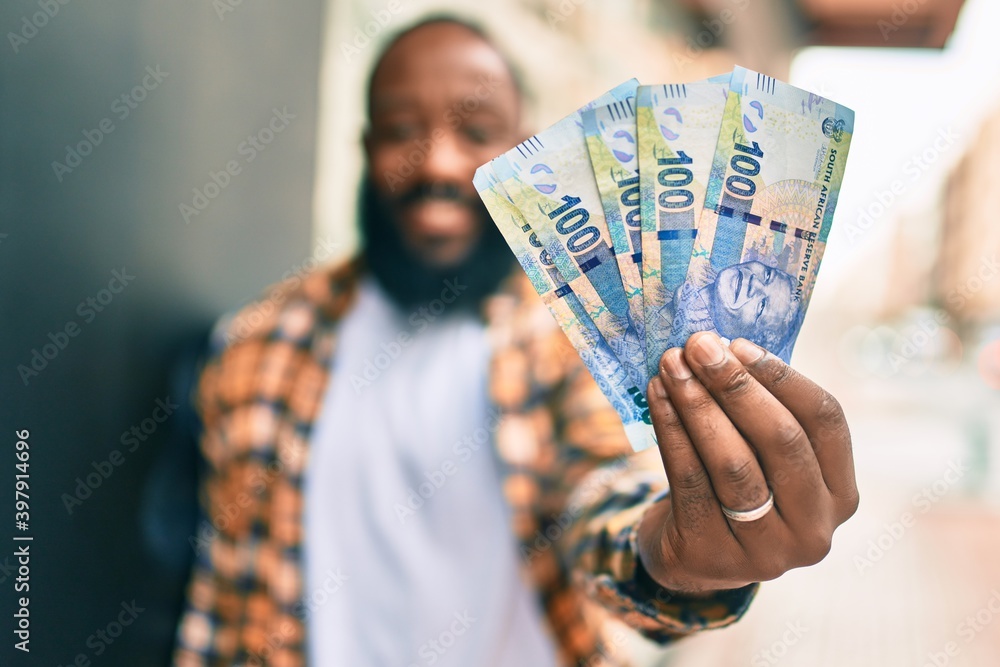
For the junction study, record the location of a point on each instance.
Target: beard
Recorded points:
(408, 279)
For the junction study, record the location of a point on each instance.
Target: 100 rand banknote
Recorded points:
(678, 129)
(549, 179)
(626, 398)
(611, 143)
(775, 181)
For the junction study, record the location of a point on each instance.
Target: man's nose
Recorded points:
(446, 161)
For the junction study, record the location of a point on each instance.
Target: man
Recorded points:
(410, 466)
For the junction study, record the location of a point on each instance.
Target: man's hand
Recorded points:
(732, 424)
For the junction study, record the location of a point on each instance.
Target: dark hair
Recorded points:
(447, 19)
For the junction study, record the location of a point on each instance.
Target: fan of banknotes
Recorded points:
(654, 212)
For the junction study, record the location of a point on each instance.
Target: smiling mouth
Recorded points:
(739, 286)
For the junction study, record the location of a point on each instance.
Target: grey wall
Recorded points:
(120, 208)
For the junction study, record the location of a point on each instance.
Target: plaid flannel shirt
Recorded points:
(576, 491)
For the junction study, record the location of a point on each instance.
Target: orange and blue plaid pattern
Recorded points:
(576, 491)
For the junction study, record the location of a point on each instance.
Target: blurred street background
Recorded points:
(904, 326)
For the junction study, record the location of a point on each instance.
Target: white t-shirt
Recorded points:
(409, 556)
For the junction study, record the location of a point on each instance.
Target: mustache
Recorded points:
(436, 191)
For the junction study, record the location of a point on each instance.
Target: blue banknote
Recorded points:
(567, 309)
(776, 177)
(549, 178)
(654, 212)
(613, 149)
(678, 129)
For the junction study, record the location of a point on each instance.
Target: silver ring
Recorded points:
(750, 515)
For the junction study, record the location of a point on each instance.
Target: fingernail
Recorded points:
(747, 352)
(708, 350)
(674, 364)
(656, 388)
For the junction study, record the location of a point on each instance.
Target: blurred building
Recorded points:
(966, 279)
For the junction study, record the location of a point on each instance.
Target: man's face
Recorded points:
(751, 298)
(443, 102)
